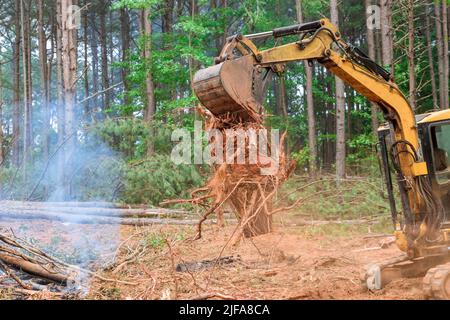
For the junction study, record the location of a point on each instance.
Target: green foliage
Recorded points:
(380, 225)
(147, 179)
(301, 157)
(362, 145)
(361, 158)
(157, 240)
(354, 198)
(155, 179)
(135, 4)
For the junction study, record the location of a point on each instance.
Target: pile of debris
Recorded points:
(25, 269)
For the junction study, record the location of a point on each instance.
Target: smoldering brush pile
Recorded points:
(26, 267)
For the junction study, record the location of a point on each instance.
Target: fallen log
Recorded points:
(19, 214)
(94, 204)
(204, 264)
(84, 210)
(33, 269)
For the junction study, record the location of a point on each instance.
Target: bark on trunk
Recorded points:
(312, 140)
(2, 158)
(125, 35)
(95, 62)
(36, 207)
(340, 109)
(16, 86)
(431, 62)
(69, 48)
(60, 112)
(86, 61)
(386, 35)
(44, 79)
(27, 83)
(146, 31)
(440, 49)
(32, 268)
(88, 219)
(372, 55)
(281, 96)
(411, 55)
(104, 53)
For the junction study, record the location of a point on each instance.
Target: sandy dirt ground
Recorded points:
(293, 262)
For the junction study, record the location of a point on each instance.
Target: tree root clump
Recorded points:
(246, 187)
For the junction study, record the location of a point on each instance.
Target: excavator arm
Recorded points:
(235, 86)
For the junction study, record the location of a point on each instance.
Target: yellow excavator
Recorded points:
(413, 148)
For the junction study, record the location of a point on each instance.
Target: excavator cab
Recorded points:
(434, 135)
(434, 129)
(433, 263)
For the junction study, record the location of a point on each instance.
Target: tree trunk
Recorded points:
(312, 139)
(378, 48)
(440, 49)
(431, 62)
(32, 268)
(69, 48)
(16, 86)
(445, 96)
(350, 107)
(411, 55)
(111, 48)
(60, 112)
(63, 208)
(146, 31)
(386, 35)
(167, 18)
(37, 214)
(125, 35)
(193, 11)
(372, 55)
(87, 108)
(224, 4)
(95, 63)
(27, 83)
(2, 158)
(281, 96)
(44, 80)
(104, 53)
(340, 108)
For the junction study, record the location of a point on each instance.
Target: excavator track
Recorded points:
(378, 275)
(436, 283)
(372, 277)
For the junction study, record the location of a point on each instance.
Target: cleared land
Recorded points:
(300, 260)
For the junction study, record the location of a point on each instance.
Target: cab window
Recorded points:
(440, 135)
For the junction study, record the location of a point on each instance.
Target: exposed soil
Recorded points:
(290, 263)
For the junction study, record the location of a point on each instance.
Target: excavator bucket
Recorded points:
(233, 88)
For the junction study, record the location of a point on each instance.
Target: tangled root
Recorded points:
(242, 187)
